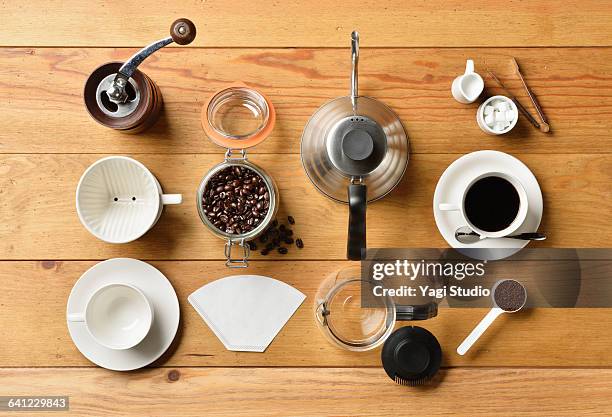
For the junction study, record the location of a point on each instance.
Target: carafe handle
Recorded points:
(357, 196)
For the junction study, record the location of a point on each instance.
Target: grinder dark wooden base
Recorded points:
(143, 116)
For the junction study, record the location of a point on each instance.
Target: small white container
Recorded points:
(467, 87)
(495, 101)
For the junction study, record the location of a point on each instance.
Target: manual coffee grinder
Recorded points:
(119, 96)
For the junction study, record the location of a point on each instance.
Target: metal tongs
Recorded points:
(543, 125)
(182, 31)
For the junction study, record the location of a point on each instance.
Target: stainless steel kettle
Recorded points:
(354, 150)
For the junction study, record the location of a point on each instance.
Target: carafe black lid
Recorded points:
(411, 356)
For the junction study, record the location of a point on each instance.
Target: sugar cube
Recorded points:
(500, 116)
(503, 106)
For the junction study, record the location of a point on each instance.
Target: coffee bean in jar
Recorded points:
(236, 200)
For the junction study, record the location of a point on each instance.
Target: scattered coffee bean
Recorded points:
(232, 200)
(277, 235)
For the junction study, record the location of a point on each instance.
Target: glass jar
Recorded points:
(237, 118)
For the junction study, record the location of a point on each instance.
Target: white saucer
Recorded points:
(158, 290)
(454, 180)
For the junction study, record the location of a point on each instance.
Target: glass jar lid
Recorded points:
(238, 117)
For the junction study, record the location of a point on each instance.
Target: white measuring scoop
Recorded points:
(508, 297)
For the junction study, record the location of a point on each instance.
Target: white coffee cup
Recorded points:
(516, 223)
(467, 88)
(118, 316)
(118, 199)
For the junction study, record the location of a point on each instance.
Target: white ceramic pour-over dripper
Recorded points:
(118, 199)
(494, 313)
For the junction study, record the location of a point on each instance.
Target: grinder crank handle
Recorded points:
(182, 31)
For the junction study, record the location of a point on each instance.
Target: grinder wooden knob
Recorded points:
(183, 31)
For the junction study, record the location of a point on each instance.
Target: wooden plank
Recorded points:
(318, 392)
(42, 96)
(33, 329)
(40, 221)
(243, 23)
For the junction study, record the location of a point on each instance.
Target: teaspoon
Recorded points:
(466, 235)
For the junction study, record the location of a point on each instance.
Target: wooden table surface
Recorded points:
(541, 362)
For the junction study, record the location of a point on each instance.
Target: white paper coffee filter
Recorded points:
(246, 312)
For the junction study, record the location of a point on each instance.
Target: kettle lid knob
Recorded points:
(357, 144)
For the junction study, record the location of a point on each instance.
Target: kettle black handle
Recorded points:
(357, 221)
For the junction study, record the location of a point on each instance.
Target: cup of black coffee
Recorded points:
(493, 204)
